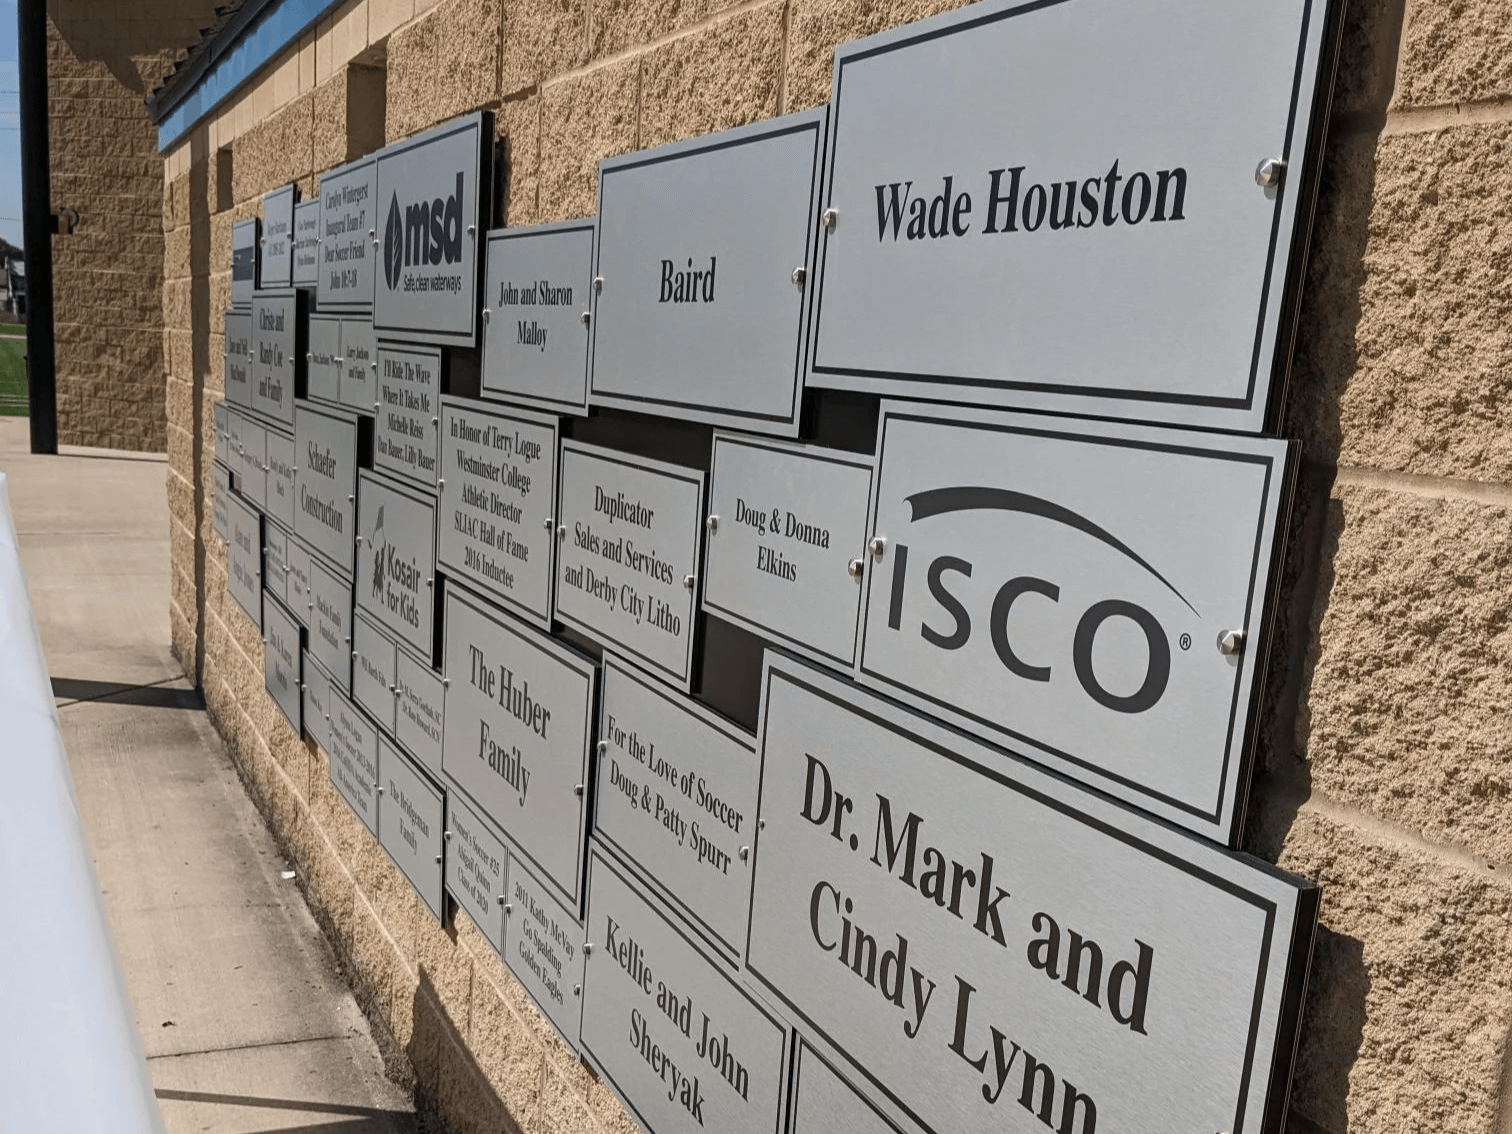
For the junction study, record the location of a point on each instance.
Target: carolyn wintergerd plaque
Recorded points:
(307, 243)
(476, 860)
(374, 658)
(498, 502)
(323, 363)
(1091, 595)
(704, 247)
(786, 543)
(519, 729)
(326, 446)
(429, 193)
(354, 759)
(278, 343)
(409, 824)
(244, 558)
(251, 442)
(221, 489)
(826, 1102)
(676, 800)
(396, 561)
(281, 465)
(275, 561)
(239, 357)
(348, 237)
(331, 623)
(543, 947)
(408, 393)
(1128, 251)
(982, 943)
(420, 699)
(281, 658)
(359, 366)
(244, 247)
(684, 1047)
(277, 268)
(317, 702)
(536, 294)
(627, 556)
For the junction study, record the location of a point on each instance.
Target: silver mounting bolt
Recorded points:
(712, 523)
(585, 317)
(830, 217)
(438, 860)
(1269, 172)
(688, 581)
(603, 747)
(799, 275)
(472, 230)
(587, 948)
(877, 547)
(854, 567)
(561, 531)
(577, 789)
(1230, 642)
(486, 314)
(548, 522)
(577, 990)
(508, 906)
(745, 854)
(598, 283)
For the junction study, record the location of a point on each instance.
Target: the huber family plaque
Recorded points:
(281, 464)
(277, 239)
(275, 561)
(627, 558)
(301, 601)
(1127, 252)
(429, 192)
(543, 947)
(685, 1048)
(244, 558)
(677, 800)
(408, 396)
(704, 248)
(331, 623)
(825, 1102)
(221, 491)
(307, 243)
(1092, 595)
(359, 366)
(536, 302)
(354, 759)
(982, 942)
(409, 824)
(281, 658)
(251, 440)
(419, 711)
(348, 237)
(326, 451)
(323, 359)
(239, 358)
(278, 338)
(497, 504)
(396, 563)
(244, 248)
(476, 860)
(374, 658)
(519, 728)
(317, 703)
(786, 543)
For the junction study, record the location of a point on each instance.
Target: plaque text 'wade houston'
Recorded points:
(1090, 594)
(987, 947)
(1111, 253)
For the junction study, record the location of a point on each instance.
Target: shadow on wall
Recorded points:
(137, 49)
(448, 1080)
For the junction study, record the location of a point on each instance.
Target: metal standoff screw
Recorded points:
(585, 317)
(446, 683)
(309, 356)
(435, 421)
(577, 990)
(712, 523)
(354, 655)
(374, 366)
(378, 788)
(394, 689)
(587, 948)
(1230, 642)
(603, 747)
(501, 899)
(577, 789)
(486, 314)
(688, 581)
(761, 824)
(508, 906)
(1269, 172)
(431, 582)
(877, 546)
(854, 567)
(472, 230)
(441, 482)
(830, 217)
(598, 283)
(799, 275)
(446, 834)
(548, 523)
(438, 860)
(561, 531)
(745, 854)
(372, 232)
(351, 499)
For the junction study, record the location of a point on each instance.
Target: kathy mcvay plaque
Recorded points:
(275, 561)
(1091, 595)
(374, 659)
(222, 489)
(239, 357)
(476, 860)
(628, 531)
(684, 1047)
(331, 623)
(419, 711)
(677, 799)
(323, 363)
(825, 1102)
(396, 562)
(497, 503)
(281, 467)
(429, 190)
(252, 448)
(409, 824)
(984, 944)
(317, 703)
(354, 759)
(543, 947)
(325, 487)
(244, 558)
(348, 237)
(704, 247)
(307, 243)
(359, 366)
(1127, 254)
(281, 657)
(536, 294)
(408, 395)
(786, 543)
(244, 246)
(277, 239)
(519, 726)
(301, 602)
(278, 338)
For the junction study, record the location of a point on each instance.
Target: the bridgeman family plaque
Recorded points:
(325, 487)
(278, 238)
(244, 247)
(408, 396)
(543, 947)
(307, 243)
(409, 824)
(396, 562)
(348, 237)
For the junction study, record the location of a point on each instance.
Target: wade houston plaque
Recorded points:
(301, 601)
(519, 726)
(536, 298)
(281, 657)
(348, 237)
(331, 623)
(1126, 253)
(476, 860)
(323, 365)
(543, 947)
(374, 660)
(703, 248)
(417, 724)
(252, 447)
(244, 558)
(222, 490)
(239, 357)
(676, 798)
(325, 487)
(307, 243)
(497, 504)
(409, 824)
(359, 366)
(408, 396)
(396, 562)
(275, 561)
(277, 239)
(429, 189)
(354, 759)
(824, 1102)
(281, 477)
(277, 341)
(317, 703)
(684, 1047)
(1065, 588)
(786, 543)
(982, 943)
(628, 531)
(244, 246)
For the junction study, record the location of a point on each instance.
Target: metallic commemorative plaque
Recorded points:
(323, 364)
(239, 357)
(278, 338)
(317, 702)
(348, 237)
(281, 658)
(981, 942)
(704, 247)
(359, 366)
(408, 397)
(429, 190)
(251, 440)
(1092, 595)
(519, 729)
(476, 860)
(1128, 253)
(244, 558)
(536, 297)
(277, 269)
(354, 758)
(306, 243)
(221, 491)
(222, 434)
(543, 947)
(410, 811)
(331, 623)
(825, 1102)
(276, 561)
(374, 660)
(703, 1053)
(326, 447)
(281, 477)
(628, 532)
(244, 247)
(498, 502)
(786, 543)
(676, 800)
(301, 600)
(396, 562)
(419, 711)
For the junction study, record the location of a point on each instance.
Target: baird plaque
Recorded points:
(396, 563)
(476, 860)
(417, 724)
(277, 239)
(244, 558)
(359, 366)
(374, 659)
(676, 799)
(1126, 250)
(239, 358)
(519, 727)
(543, 947)
(628, 532)
(275, 561)
(244, 246)
(326, 448)
(409, 824)
(281, 658)
(536, 295)
(787, 543)
(825, 1102)
(307, 243)
(497, 504)
(278, 338)
(984, 945)
(331, 623)
(301, 601)
(348, 237)
(281, 477)
(354, 759)
(1091, 595)
(221, 492)
(323, 365)
(317, 702)
(407, 392)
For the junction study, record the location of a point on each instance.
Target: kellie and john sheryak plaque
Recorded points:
(354, 759)
(278, 239)
(348, 237)
(244, 558)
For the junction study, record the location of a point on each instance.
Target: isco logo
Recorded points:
(422, 233)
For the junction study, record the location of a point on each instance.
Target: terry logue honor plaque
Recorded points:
(354, 759)
(281, 658)
(409, 824)
(278, 238)
(239, 357)
(278, 338)
(475, 863)
(704, 247)
(417, 724)
(408, 395)
(396, 566)
(244, 245)
(1092, 595)
(359, 366)
(1127, 250)
(244, 558)
(983, 944)
(307, 243)
(323, 359)
(543, 947)
(348, 237)
(536, 294)
(627, 559)
(325, 487)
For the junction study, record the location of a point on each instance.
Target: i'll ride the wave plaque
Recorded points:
(407, 396)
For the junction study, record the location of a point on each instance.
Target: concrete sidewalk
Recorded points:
(246, 1020)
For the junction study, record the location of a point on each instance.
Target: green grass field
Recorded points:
(12, 370)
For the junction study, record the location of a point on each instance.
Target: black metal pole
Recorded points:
(37, 225)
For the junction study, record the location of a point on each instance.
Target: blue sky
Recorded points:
(10, 134)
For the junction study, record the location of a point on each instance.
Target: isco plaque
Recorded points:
(323, 359)
(429, 190)
(348, 237)
(519, 727)
(275, 561)
(408, 397)
(221, 490)
(301, 601)
(676, 798)
(244, 247)
(476, 860)
(417, 724)
(354, 759)
(497, 504)
(326, 446)
(684, 1047)
(1092, 595)
(281, 658)
(536, 295)
(317, 703)
(251, 442)
(331, 623)
(703, 249)
(396, 566)
(239, 358)
(277, 239)
(281, 477)
(409, 824)
(628, 530)
(825, 1102)
(787, 543)
(307, 243)
(982, 943)
(359, 366)
(543, 947)
(244, 558)
(278, 343)
(374, 658)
